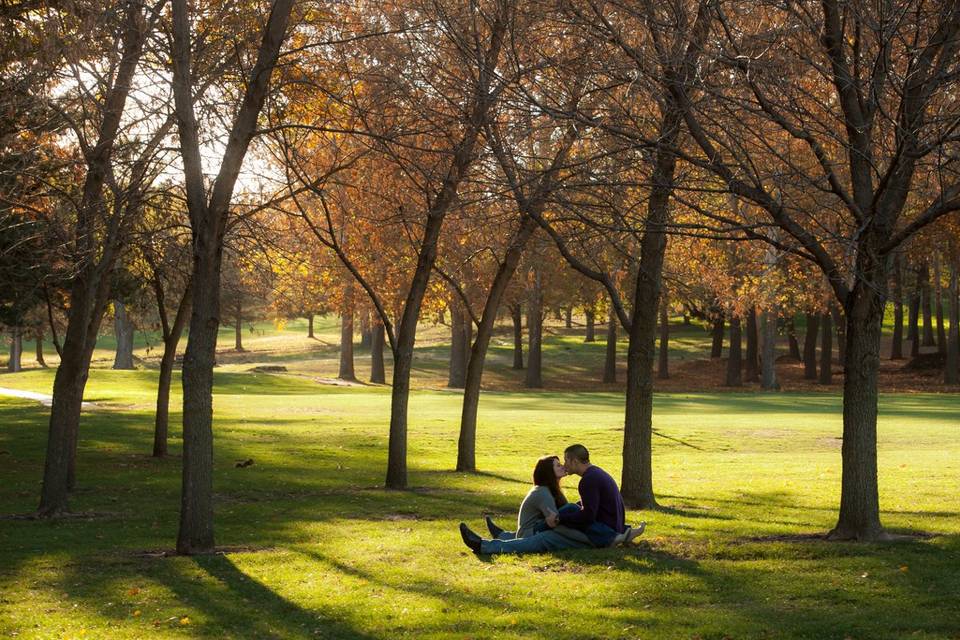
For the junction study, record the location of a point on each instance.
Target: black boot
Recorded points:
(470, 539)
(495, 531)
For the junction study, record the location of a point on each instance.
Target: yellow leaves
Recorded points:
(137, 613)
(184, 621)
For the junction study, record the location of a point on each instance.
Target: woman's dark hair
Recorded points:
(544, 476)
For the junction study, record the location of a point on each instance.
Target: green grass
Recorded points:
(320, 550)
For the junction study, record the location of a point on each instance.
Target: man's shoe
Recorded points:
(495, 531)
(470, 539)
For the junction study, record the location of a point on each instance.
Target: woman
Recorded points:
(544, 499)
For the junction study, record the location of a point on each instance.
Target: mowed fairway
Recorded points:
(315, 548)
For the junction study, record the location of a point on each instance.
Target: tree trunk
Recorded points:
(467, 442)
(195, 534)
(467, 340)
(39, 339)
(238, 327)
(663, 362)
(568, 317)
(913, 328)
(88, 302)
(310, 326)
(716, 347)
(170, 343)
(810, 347)
(826, 349)
(951, 373)
(792, 341)
(346, 336)
(926, 306)
(377, 373)
(768, 358)
(896, 348)
(366, 333)
(161, 422)
(610, 358)
(938, 297)
(734, 359)
(516, 315)
(591, 320)
(840, 325)
(752, 369)
(123, 329)
(14, 364)
(859, 495)
(457, 374)
(534, 376)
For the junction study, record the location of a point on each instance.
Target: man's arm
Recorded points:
(590, 499)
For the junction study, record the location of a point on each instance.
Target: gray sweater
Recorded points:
(534, 510)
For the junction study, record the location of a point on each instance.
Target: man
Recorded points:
(598, 521)
(600, 514)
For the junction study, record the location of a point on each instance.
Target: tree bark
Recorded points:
(457, 373)
(752, 369)
(938, 297)
(39, 339)
(346, 336)
(793, 343)
(810, 347)
(14, 364)
(859, 517)
(663, 361)
(123, 329)
(568, 317)
(768, 358)
(840, 325)
(951, 373)
(238, 326)
(591, 320)
(896, 348)
(734, 359)
(377, 340)
(88, 304)
(610, 357)
(826, 349)
(913, 326)
(162, 419)
(171, 341)
(366, 333)
(926, 306)
(716, 346)
(310, 333)
(534, 375)
(466, 444)
(516, 315)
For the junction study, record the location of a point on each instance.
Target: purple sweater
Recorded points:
(600, 500)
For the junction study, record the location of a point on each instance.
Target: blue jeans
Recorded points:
(600, 534)
(538, 543)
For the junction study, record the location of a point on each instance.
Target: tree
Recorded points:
(428, 150)
(208, 209)
(860, 95)
(104, 214)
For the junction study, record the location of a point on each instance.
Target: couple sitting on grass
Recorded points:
(547, 522)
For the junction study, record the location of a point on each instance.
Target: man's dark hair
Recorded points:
(578, 452)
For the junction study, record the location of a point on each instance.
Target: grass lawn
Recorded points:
(317, 549)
